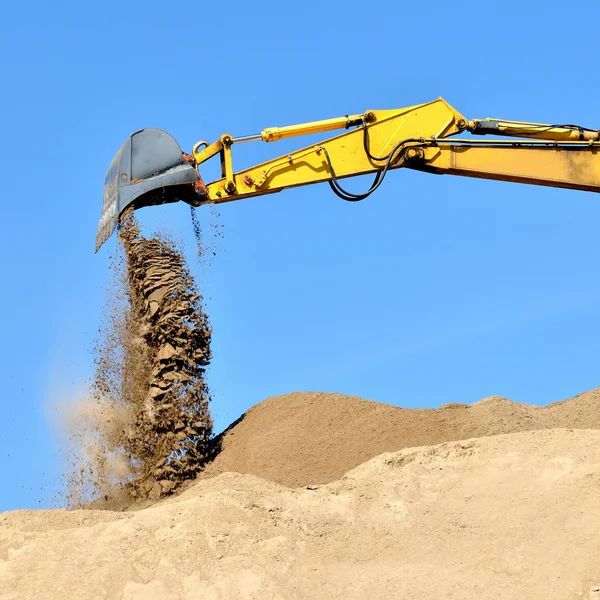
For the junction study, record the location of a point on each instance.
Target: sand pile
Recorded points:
(307, 438)
(502, 517)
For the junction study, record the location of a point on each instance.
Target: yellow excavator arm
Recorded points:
(151, 169)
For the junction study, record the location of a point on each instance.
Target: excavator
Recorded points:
(150, 168)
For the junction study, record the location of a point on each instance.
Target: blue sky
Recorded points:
(433, 290)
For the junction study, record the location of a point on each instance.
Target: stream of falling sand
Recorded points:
(150, 427)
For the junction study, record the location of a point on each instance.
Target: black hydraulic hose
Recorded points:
(366, 145)
(379, 177)
(345, 194)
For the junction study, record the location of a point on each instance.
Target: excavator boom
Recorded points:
(151, 169)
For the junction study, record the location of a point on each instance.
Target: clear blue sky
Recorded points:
(434, 290)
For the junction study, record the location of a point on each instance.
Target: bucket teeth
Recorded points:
(108, 224)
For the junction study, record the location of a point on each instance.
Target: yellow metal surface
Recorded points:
(559, 156)
(273, 134)
(347, 153)
(202, 155)
(538, 130)
(227, 164)
(574, 166)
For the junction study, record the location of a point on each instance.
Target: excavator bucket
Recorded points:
(149, 169)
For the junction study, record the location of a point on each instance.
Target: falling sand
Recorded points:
(147, 424)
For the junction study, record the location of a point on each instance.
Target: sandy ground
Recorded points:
(498, 516)
(511, 516)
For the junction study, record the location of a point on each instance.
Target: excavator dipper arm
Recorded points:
(151, 169)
